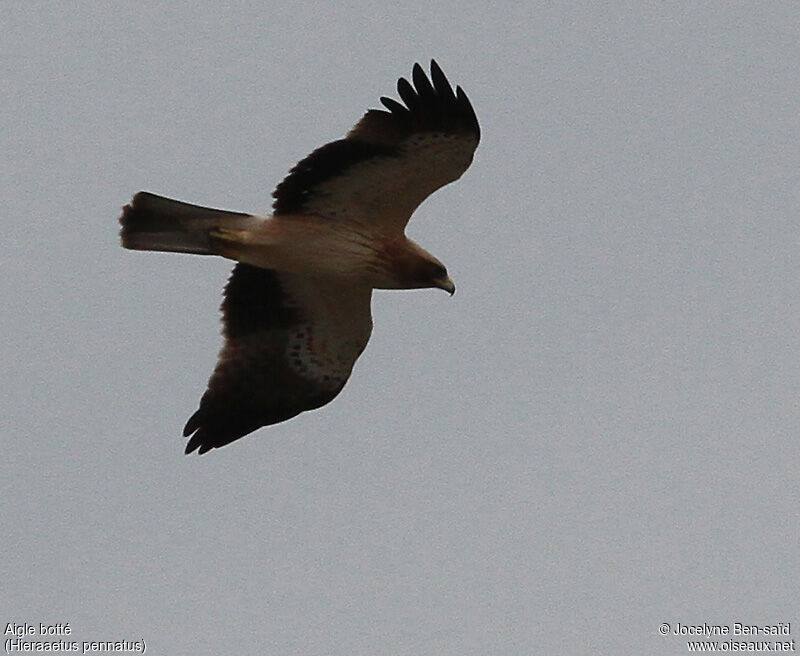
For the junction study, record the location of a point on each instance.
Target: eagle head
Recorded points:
(412, 267)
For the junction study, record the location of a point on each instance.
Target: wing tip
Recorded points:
(192, 446)
(205, 436)
(196, 440)
(431, 99)
(203, 441)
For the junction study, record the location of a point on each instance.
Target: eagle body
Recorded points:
(319, 247)
(296, 311)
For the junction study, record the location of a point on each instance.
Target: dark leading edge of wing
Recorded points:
(254, 302)
(431, 105)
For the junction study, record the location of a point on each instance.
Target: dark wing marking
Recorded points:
(325, 163)
(391, 160)
(290, 345)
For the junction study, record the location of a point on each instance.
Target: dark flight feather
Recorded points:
(242, 394)
(430, 106)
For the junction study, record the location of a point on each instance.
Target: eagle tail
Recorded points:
(156, 223)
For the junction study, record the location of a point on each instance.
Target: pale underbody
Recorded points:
(314, 247)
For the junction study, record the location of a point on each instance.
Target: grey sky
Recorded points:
(597, 434)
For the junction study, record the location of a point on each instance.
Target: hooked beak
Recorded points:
(446, 284)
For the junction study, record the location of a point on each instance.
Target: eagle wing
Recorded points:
(290, 344)
(392, 159)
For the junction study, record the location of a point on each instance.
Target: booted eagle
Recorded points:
(296, 312)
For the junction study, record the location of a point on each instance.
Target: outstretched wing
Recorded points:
(290, 345)
(391, 160)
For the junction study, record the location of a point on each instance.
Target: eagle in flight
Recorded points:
(296, 310)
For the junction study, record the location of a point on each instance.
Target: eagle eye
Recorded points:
(437, 272)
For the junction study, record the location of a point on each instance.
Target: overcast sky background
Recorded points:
(597, 434)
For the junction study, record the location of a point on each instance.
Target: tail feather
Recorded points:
(155, 223)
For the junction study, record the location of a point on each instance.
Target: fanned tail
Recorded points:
(156, 223)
